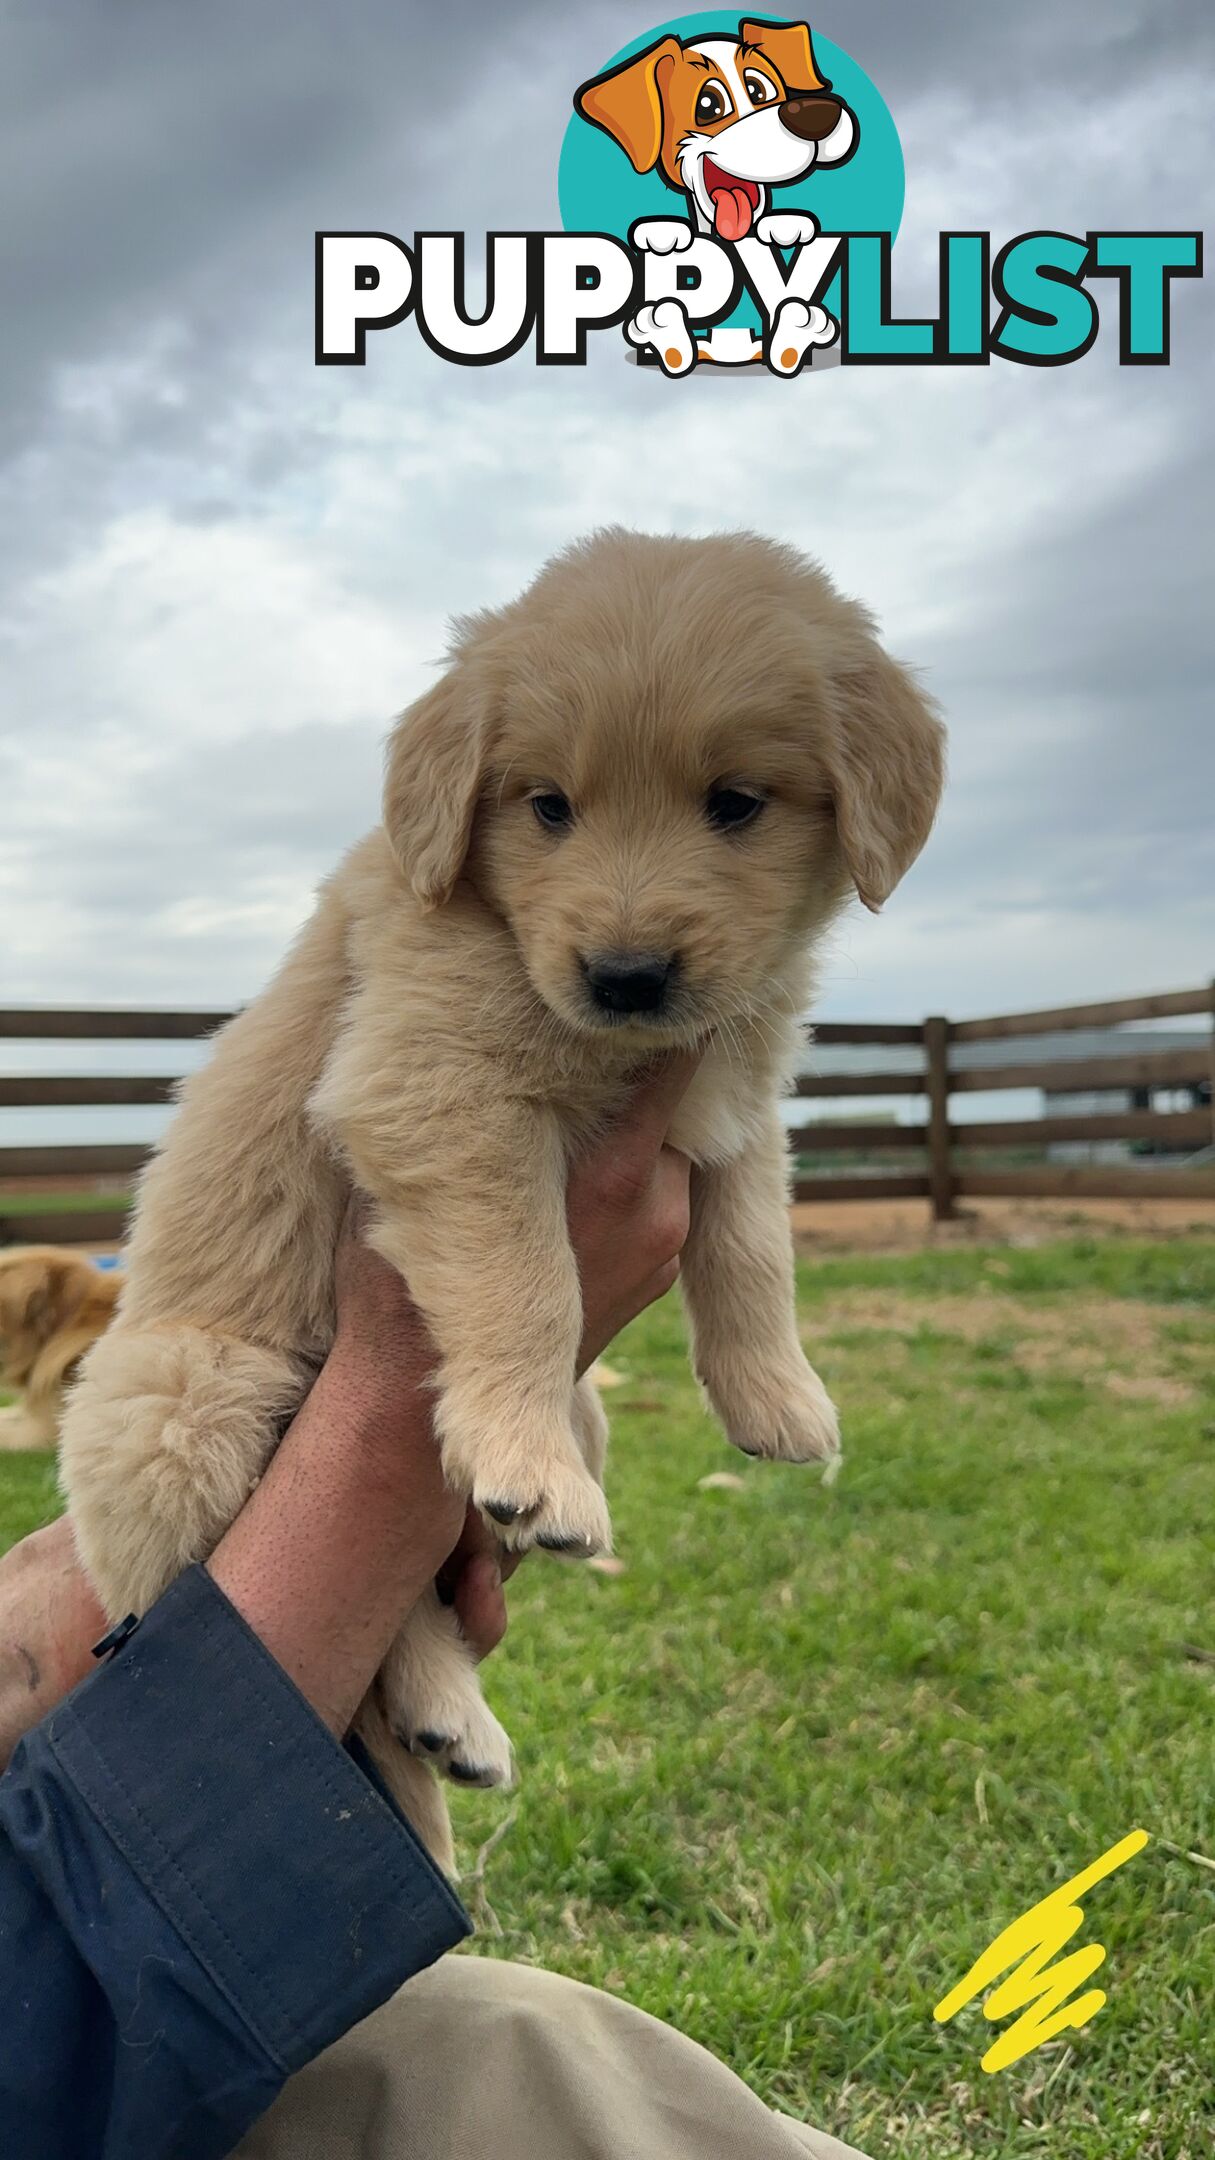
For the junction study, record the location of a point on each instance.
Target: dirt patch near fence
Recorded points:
(895, 1226)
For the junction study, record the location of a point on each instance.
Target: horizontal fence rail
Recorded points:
(861, 1188)
(877, 1083)
(70, 1023)
(61, 1091)
(1165, 1005)
(78, 1191)
(61, 1162)
(95, 1227)
(1163, 1068)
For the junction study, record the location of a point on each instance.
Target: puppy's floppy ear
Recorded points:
(788, 47)
(627, 102)
(435, 765)
(887, 769)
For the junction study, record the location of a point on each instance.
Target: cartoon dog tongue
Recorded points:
(731, 212)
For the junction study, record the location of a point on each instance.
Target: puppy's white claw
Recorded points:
(797, 327)
(664, 325)
(786, 228)
(662, 236)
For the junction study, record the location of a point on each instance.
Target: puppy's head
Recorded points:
(42, 1289)
(724, 118)
(665, 766)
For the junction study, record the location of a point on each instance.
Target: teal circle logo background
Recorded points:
(598, 191)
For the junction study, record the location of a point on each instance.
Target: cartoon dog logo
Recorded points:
(725, 121)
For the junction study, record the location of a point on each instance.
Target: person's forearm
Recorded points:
(338, 1541)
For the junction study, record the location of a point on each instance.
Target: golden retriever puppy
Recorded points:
(53, 1306)
(618, 824)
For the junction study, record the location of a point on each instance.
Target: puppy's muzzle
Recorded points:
(810, 118)
(630, 982)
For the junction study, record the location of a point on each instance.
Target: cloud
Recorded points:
(223, 570)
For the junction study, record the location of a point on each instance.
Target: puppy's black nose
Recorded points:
(811, 116)
(629, 982)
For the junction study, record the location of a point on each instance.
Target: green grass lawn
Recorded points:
(785, 1777)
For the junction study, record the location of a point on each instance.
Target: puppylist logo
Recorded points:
(730, 193)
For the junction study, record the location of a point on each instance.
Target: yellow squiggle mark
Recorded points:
(1037, 1988)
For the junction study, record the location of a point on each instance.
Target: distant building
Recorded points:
(1096, 1102)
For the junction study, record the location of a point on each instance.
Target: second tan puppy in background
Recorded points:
(53, 1306)
(616, 826)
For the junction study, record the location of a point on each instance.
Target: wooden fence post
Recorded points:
(940, 1169)
(1212, 1065)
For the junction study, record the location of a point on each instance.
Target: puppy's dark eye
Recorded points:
(553, 811)
(711, 105)
(729, 809)
(760, 89)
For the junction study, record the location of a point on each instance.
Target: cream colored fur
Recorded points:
(430, 1038)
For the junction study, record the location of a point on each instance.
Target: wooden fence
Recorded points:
(70, 1193)
(949, 1171)
(45, 1171)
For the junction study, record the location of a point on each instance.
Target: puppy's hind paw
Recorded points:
(796, 330)
(459, 1736)
(663, 325)
(789, 1418)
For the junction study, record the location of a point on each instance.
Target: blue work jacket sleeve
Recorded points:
(199, 1890)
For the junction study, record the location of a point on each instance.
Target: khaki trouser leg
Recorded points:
(478, 2058)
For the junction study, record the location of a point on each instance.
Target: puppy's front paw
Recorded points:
(662, 236)
(532, 1486)
(786, 228)
(785, 1416)
(562, 1509)
(445, 1720)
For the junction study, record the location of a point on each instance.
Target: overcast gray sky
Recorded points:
(222, 569)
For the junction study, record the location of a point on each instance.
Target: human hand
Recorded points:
(627, 1206)
(349, 1524)
(628, 1217)
(50, 1617)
